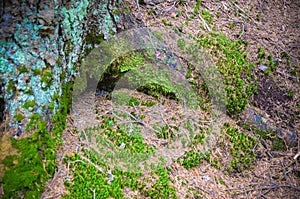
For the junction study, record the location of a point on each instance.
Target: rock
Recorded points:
(258, 119)
(262, 67)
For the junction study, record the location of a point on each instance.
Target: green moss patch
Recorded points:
(242, 149)
(35, 165)
(92, 176)
(230, 58)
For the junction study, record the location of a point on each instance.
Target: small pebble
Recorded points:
(262, 67)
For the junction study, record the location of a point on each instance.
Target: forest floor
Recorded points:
(269, 25)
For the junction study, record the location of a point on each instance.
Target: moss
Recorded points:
(157, 90)
(34, 118)
(277, 143)
(197, 8)
(28, 91)
(46, 78)
(19, 117)
(36, 72)
(207, 16)
(148, 103)
(29, 104)
(241, 149)
(158, 35)
(161, 188)
(30, 170)
(11, 86)
(166, 23)
(140, 74)
(37, 160)
(133, 102)
(132, 61)
(192, 159)
(23, 69)
(94, 38)
(188, 74)
(181, 43)
(112, 185)
(51, 106)
(167, 132)
(230, 57)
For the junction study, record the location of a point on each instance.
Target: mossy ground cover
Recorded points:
(91, 162)
(230, 57)
(96, 171)
(90, 177)
(239, 150)
(122, 130)
(34, 164)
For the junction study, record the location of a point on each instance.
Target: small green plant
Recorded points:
(148, 103)
(207, 16)
(194, 193)
(258, 17)
(197, 8)
(179, 13)
(241, 149)
(215, 163)
(188, 74)
(158, 35)
(133, 102)
(261, 52)
(166, 23)
(166, 132)
(192, 159)
(287, 57)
